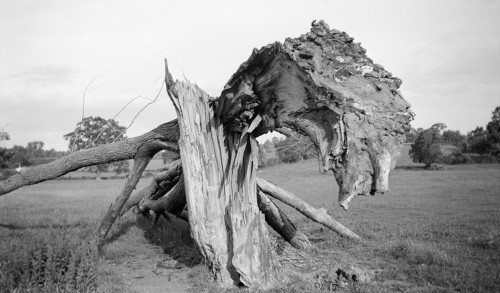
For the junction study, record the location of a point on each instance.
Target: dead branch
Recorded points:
(281, 223)
(317, 215)
(141, 160)
(85, 92)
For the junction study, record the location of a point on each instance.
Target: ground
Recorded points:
(435, 231)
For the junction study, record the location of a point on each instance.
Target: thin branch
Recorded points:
(85, 91)
(119, 112)
(143, 108)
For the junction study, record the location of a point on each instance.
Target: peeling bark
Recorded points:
(219, 170)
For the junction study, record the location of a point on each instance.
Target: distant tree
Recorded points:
(35, 151)
(295, 148)
(267, 153)
(454, 137)
(5, 157)
(426, 148)
(411, 135)
(20, 156)
(93, 131)
(268, 146)
(439, 127)
(493, 132)
(477, 141)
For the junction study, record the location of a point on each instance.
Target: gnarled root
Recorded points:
(172, 203)
(160, 184)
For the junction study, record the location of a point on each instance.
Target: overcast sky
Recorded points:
(446, 52)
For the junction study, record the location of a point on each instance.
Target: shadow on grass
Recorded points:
(46, 226)
(410, 168)
(173, 237)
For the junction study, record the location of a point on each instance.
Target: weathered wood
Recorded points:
(172, 203)
(166, 134)
(219, 171)
(323, 85)
(281, 223)
(317, 215)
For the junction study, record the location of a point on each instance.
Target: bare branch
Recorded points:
(281, 223)
(317, 215)
(85, 92)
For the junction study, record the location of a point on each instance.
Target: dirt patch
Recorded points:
(160, 274)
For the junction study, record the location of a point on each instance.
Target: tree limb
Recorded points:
(280, 222)
(166, 134)
(144, 155)
(317, 215)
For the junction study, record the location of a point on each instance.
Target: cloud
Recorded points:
(45, 76)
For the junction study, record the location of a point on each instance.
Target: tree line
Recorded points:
(428, 145)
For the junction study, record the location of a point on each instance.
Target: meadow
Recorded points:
(435, 231)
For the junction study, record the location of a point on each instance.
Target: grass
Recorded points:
(435, 231)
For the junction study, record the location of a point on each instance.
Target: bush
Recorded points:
(485, 159)
(456, 158)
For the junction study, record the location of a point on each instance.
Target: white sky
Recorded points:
(446, 52)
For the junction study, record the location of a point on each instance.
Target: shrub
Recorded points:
(456, 158)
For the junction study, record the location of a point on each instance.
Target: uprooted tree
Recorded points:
(321, 85)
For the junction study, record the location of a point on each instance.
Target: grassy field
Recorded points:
(435, 231)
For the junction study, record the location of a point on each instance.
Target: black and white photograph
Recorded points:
(186, 146)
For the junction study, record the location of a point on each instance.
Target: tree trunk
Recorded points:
(219, 172)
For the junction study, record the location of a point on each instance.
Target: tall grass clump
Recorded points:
(48, 261)
(418, 253)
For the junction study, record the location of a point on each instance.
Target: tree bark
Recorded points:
(219, 171)
(318, 215)
(280, 222)
(166, 134)
(144, 155)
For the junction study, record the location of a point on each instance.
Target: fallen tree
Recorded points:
(321, 85)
